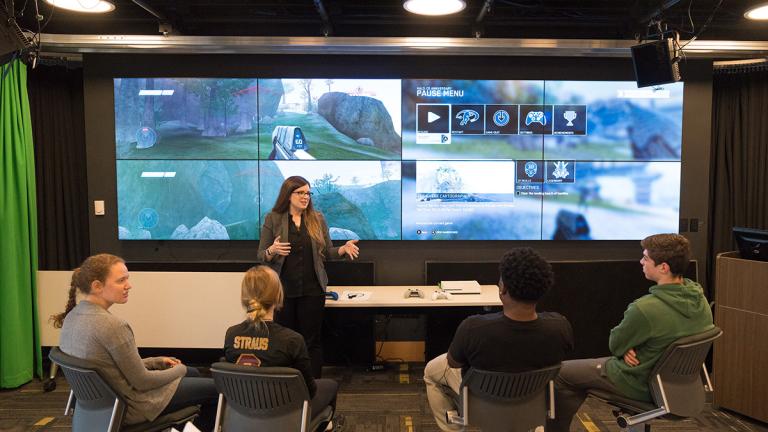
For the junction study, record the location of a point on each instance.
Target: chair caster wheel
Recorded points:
(49, 385)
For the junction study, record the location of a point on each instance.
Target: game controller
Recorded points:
(441, 295)
(414, 292)
(331, 295)
(536, 117)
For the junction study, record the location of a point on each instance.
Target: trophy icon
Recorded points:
(570, 116)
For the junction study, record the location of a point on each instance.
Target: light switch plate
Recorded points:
(98, 207)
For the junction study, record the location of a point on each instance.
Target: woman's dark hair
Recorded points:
(94, 268)
(526, 275)
(311, 217)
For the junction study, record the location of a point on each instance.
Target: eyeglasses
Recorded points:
(303, 194)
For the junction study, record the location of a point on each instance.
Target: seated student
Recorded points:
(674, 308)
(150, 386)
(514, 340)
(259, 341)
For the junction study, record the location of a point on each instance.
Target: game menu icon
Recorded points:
(467, 119)
(561, 171)
(501, 119)
(569, 120)
(433, 123)
(535, 119)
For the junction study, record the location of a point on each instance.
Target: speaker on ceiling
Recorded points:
(655, 63)
(11, 37)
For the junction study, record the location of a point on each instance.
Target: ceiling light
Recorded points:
(89, 6)
(434, 7)
(757, 12)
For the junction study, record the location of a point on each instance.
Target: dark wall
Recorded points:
(397, 262)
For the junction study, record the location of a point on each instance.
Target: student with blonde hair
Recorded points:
(150, 386)
(260, 341)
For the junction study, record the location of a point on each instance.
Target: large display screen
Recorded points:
(203, 158)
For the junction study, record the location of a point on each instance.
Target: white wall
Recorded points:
(165, 309)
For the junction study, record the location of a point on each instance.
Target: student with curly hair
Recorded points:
(516, 339)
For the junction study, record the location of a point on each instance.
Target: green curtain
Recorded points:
(20, 354)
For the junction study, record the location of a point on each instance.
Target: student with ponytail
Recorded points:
(260, 341)
(295, 242)
(150, 386)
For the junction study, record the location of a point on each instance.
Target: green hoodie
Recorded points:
(650, 324)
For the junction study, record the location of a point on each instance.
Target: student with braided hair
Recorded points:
(260, 341)
(150, 386)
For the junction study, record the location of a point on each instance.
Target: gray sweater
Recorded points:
(92, 333)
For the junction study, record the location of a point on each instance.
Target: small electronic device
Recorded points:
(441, 295)
(752, 243)
(460, 287)
(414, 292)
(331, 295)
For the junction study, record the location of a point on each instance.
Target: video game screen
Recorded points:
(359, 199)
(466, 200)
(186, 118)
(467, 120)
(613, 121)
(329, 119)
(187, 200)
(609, 200)
(389, 159)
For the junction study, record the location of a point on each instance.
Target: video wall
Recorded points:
(204, 158)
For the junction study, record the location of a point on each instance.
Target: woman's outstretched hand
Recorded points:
(279, 248)
(350, 249)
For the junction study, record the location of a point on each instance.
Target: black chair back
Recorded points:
(98, 407)
(506, 402)
(679, 369)
(261, 398)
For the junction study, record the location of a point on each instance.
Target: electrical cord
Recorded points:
(704, 27)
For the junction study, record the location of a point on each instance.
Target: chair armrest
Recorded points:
(707, 382)
(551, 399)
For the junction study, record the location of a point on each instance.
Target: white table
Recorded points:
(194, 309)
(394, 296)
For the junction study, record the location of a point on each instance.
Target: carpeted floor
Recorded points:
(393, 400)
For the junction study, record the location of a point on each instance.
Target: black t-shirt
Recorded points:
(271, 345)
(497, 343)
(298, 272)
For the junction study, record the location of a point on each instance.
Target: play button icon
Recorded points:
(433, 119)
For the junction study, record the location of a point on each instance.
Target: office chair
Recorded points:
(264, 398)
(506, 402)
(97, 407)
(675, 383)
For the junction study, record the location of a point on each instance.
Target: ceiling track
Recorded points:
(141, 44)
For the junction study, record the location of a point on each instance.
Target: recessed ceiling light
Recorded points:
(434, 7)
(89, 6)
(757, 13)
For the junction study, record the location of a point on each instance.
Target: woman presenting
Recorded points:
(295, 242)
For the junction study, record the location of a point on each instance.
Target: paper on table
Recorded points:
(356, 295)
(189, 427)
